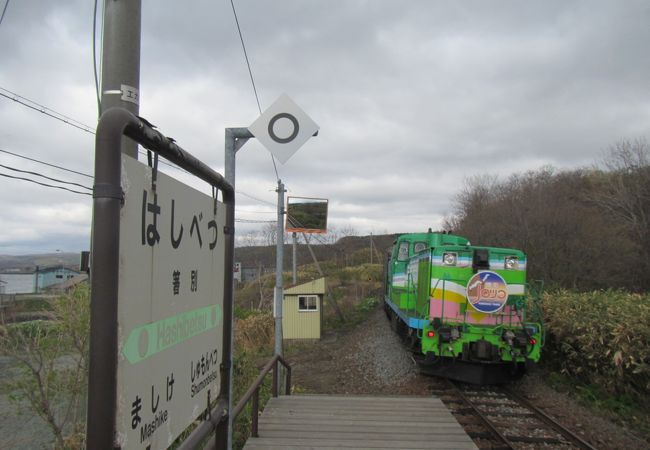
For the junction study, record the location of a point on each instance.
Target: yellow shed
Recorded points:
(302, 310)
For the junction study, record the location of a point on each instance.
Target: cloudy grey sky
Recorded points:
(411, 98)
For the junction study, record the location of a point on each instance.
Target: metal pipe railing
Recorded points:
(253, 391)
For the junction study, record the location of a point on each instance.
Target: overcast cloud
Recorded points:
(411, 98)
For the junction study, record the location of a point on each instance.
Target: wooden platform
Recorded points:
(335, 422)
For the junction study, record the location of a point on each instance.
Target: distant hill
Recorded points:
(41, 260)
(249, 256)
(254, 256)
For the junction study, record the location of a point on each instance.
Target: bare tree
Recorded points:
(52, 360)
(545, 213)
(623, 192)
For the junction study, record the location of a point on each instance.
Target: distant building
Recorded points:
(35, 280)
(302, 310)
(53, 275)
(252, 273)
(17, 282)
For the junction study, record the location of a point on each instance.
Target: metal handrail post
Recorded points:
(274, 389)
(287, 388)
(255, 413)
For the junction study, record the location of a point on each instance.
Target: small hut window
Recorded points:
(308, 303)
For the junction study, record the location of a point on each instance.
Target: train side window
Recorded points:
(419, 246)
(403, 251)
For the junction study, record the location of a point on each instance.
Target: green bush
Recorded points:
(601, 338)
(245, 371)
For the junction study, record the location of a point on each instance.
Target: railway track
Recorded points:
(497, 418)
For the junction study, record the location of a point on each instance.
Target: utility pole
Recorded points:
(295, 245)
(278, 292)
(120, 83)
(120, 87)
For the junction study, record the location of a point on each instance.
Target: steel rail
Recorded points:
(507, 444)
(510, 442)
(574, 438)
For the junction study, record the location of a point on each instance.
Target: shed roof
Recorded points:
(311, 287)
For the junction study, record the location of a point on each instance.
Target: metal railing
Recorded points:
(254, 391)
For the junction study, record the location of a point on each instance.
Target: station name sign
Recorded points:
(170, 306)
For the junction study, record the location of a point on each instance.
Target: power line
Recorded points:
(255, 198)
(4, 11)
(45, 163)
(250, 72)
(142, 152)
(44, 184)
(44, 110)
(255, 212)
(248, 64)
(254, 221)
(45, 176)
(71, 119)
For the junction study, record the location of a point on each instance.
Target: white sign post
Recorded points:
(170, 307)
(283, 128)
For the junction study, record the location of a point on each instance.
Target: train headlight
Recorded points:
(511, 262)
(449, 259)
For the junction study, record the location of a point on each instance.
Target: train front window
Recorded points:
(403, 251)
(419, 246)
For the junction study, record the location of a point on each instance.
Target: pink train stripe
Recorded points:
(452, 312)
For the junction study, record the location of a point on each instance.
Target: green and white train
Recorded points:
(466, 311)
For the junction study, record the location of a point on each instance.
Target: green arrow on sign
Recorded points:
(147, 340)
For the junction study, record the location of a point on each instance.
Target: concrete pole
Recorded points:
(120, 83)
(278, 293)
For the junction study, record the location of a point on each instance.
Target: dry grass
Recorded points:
(255, 333)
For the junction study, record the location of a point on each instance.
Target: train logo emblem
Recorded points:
(487, 292)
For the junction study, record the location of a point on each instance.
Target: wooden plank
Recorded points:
(276, 444)
(316, 418)
(343, 426)
(274, 410)
(358, 422)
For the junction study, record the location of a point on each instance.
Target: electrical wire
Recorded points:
(70, 119)
(256, 199)
(44, 184)
(254, 221)
(255, 212)
(248, 64)
(250, 72)
(45, 176)
(4, 11)
(142, 152)
(65, 119)
(46, 164)
(44, 110)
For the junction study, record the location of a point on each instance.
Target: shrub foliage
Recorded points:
(601, 338)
